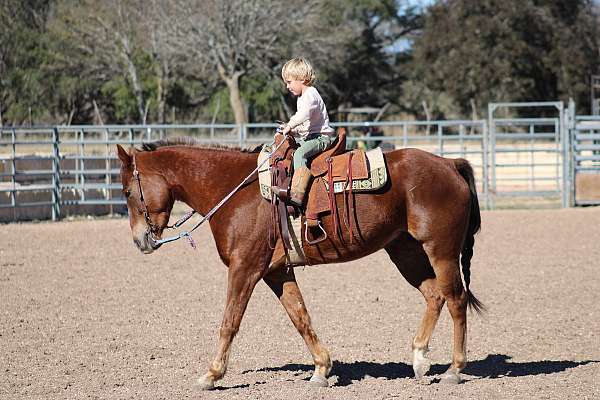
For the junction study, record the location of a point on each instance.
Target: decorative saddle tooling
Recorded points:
(344, 171)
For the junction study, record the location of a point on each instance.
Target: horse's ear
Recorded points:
(123, 156)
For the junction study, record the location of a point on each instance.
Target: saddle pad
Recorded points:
(377, 176)
(264, 174)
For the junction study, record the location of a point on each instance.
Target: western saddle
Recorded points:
(335, 164)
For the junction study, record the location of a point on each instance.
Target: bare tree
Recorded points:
(204, 39)
(107, 32)
(235, 37)
(155, 18)
(161, 51)
(116, 21)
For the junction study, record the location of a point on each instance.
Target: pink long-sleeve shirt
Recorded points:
(311, 115)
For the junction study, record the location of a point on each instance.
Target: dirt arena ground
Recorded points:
(84, 315)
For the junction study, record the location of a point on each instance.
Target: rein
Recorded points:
(152, 227)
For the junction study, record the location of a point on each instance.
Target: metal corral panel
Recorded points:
(586, 160)
(527, 155)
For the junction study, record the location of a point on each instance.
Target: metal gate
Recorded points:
(585, 162)
(527, 155)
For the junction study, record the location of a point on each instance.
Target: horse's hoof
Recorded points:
(452, 378)
(421, 368)
(421, 364)
(205, 383)
(319, 381)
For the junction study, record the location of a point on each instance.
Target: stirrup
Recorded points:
(318, 240)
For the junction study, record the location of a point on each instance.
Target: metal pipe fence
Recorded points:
(76, 166)
(585, 167)
(65, 170)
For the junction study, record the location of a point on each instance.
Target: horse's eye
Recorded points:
(127, 193)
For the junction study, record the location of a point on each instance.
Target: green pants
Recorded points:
(309, 147)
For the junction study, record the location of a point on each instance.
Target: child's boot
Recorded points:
(300, 181)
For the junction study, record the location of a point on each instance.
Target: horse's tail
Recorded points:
(465, 170)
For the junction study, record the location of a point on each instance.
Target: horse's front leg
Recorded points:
(283, 283)
(241, 281)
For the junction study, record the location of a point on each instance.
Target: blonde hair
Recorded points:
(299, 69)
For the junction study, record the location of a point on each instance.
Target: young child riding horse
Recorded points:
(309, 126)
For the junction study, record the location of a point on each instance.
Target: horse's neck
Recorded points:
(202, 177)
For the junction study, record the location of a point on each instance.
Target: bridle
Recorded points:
(152, 228)
(136, 175)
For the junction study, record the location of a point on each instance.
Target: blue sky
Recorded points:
(404, 43)
(421, 3)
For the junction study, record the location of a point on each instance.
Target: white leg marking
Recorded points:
(421, 363)
(318, 380)
(206, 382)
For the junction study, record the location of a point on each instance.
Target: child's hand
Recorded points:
(282, 129)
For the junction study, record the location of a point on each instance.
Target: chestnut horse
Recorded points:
(425, 218)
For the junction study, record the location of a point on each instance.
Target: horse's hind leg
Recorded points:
(410, 259)
(449, 284)
(283, 283)
(420, 346)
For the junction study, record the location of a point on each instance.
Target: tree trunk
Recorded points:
(427, 115)
(235, 98)
(137, 89)
(474, 114)
(71, 115)
(99, 120)
(135, 82)
(162, 76)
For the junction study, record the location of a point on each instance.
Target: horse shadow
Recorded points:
(492, 367)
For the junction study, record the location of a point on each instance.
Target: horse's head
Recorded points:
(149, 200)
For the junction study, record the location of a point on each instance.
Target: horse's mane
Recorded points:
(191, 142)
